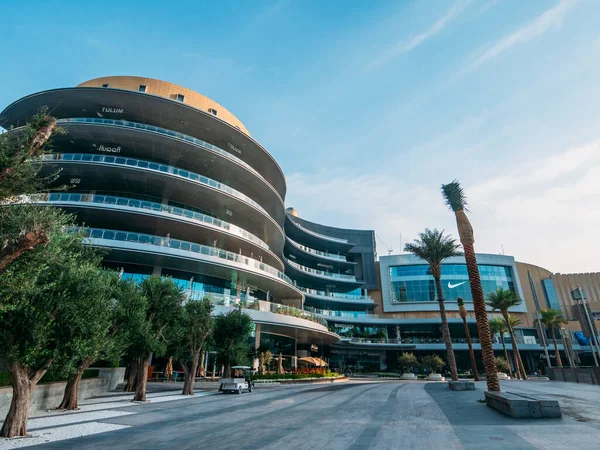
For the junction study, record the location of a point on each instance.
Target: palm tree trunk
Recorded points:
(483, 327)
(558, 360)
(471, 352)
(446, 331)
(513, 340)
(506, 353)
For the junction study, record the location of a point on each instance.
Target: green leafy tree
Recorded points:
(103, 330)
(41, 312)
(23, 228)
(191, 330)
(407, 361)
(264, 359)
(498, 326)
(164, 299)
(432, 362)
(502, 300)
(456, 200)
(552, 318)
(433, 247)
(231, 334)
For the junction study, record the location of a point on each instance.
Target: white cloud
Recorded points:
(543, 211)
(405, 46)
(551, 18)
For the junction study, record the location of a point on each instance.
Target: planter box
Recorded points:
(503, 376)
(461, 385)
(520, 405)
(409, 376)
(435, 377)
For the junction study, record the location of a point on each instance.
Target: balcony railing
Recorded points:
(260, 305)
(330, 238)
(163, 131)
(318, 252)
(341, 276)
(336, 313)
(413, 340)
(159, 241)
(334, 295)
(154, 167)
(152, 206)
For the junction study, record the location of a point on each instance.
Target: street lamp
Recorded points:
(579, 296)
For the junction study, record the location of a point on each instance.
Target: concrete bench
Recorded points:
(520, 405)
(461, 385)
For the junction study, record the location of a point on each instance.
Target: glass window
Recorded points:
(142, 88)
(180, 97)
(212, 111)
(105, 85)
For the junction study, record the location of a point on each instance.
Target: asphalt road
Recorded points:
(354, 415)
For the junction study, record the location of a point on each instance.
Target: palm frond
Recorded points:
(552, 318)
(433, 246)
(454, 196)
(502, 299)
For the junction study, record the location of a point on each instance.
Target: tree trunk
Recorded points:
(483, 327)
(513, 340)
(446, 331)
(23, 380)
(130, 386)
(70, 397)
(26, 242)
(558, 360)
(189, 374)
(227, 368)
(471, 352)
(506, 354)
(141, 379)
(15, 423)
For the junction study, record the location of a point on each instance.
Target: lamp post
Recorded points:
(579, 295)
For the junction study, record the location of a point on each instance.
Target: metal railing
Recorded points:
(152, 166)
(159, 241)
(336, 313)
(163, 131)
(330, 238)
(334, 295)
(341, 276)
(147, 205)
(317, 252)
(409, 340)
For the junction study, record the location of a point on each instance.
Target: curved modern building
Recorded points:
(172, 183)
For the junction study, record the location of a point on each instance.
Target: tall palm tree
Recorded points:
(462, 311)
(433, 247)
(552, 318)
(502, 300)
(457, 202)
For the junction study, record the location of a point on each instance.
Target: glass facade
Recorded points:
(415, 283)
(551, 296)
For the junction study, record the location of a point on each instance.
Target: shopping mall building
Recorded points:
(172, 183)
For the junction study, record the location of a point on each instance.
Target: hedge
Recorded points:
(49, 377)
(293, 376)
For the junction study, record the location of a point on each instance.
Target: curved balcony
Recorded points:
(105, 210)
(184, 255)
(336, 297)
(137, 140)
(112, 173)
(320, 273)
(313, 240)
(152, 110)
(309, 257)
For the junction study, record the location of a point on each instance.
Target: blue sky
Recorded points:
(370, 106)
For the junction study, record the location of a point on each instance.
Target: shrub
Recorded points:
(295, 376)
(407, 361)
(5, 379)
(432, 362)
(49, 377)
(502, 365)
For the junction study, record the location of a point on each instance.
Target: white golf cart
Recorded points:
(237, 384)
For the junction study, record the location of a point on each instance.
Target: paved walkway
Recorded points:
(361, 414)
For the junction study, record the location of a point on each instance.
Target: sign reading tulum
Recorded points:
(112, 110)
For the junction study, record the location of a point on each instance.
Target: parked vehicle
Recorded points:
(237, 384)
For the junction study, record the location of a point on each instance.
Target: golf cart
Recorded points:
(240, 382)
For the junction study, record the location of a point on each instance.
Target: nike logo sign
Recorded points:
(452, 286)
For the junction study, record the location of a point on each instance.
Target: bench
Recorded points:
(461, 385)
(520, 405)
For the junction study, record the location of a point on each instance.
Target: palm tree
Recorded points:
(457, 202)
(502, 300)
(434, 247)
(552, 318)
(463, 315)
(498, 326)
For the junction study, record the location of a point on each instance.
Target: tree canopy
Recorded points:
(231, 334)
(433, 247)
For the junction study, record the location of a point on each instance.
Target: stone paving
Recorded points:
(360, 414)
